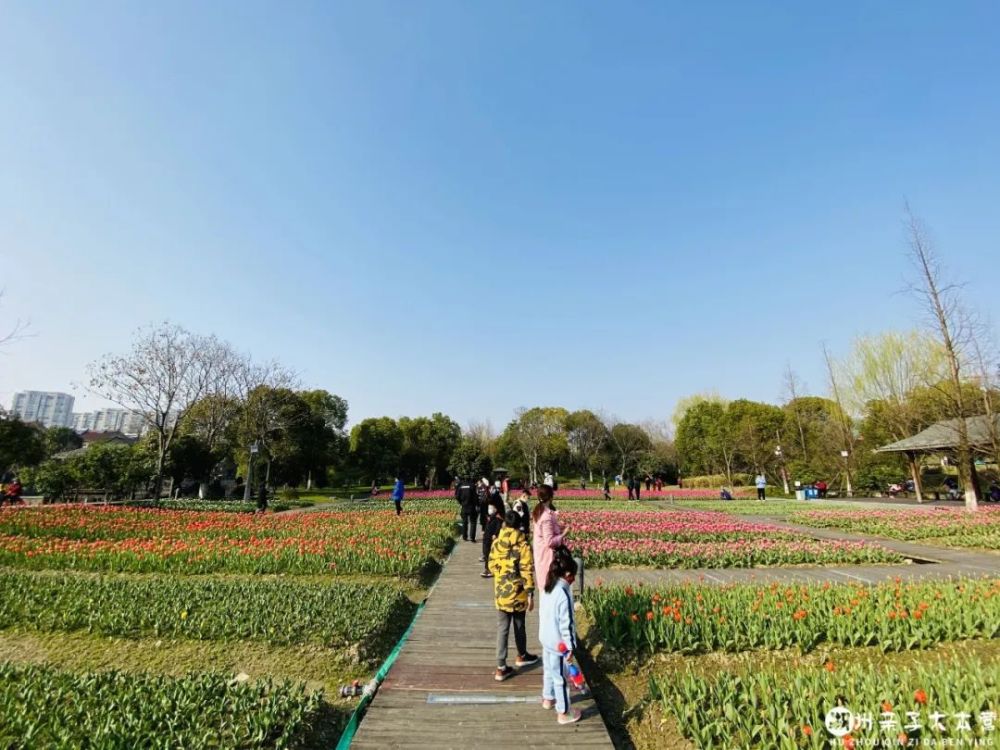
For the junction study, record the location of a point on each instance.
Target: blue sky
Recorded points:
(469, 207)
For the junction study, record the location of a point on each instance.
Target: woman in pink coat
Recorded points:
(547, 532)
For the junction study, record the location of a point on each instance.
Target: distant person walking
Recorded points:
(638, 488)
(262, 497)
(761, 482)
(607, 489)
(465, 494)
(398, 490)
(547, 532)
(631, 488)
(549, 480)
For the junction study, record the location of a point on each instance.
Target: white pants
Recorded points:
(554, 680)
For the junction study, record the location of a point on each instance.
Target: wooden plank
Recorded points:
(452, 652)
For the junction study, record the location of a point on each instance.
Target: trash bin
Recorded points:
(800, 494)
(812, 493)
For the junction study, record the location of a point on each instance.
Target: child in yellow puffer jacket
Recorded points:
(513, 592)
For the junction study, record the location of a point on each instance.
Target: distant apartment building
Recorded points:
(47, 408)
(83, 421)
(110, 420)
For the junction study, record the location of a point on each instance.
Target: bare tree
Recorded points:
(846, 432)
(954, 328)
(211, 417)
(15, 330)
(586, 436)
(261, 415)
(793, 388)
(165, 373)
(484, 435)
(629, 441)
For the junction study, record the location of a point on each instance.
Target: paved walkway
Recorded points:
(930, 563)
(441, 693)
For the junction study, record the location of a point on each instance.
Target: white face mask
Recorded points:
(492, 511)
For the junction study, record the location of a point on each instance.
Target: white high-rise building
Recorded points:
(47, 408)
(83, 421)
(110, 420)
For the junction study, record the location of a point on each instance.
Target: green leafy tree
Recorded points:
(61, 439)
(55, 480)
(469, 461)
(376, 447)
(21, 445)
(428, 445)
(539, 437)
(191, 458)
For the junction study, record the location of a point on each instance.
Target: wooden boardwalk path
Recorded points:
(441, 694)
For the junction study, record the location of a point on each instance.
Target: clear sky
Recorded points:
(472, 206)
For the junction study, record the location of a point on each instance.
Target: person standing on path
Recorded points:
(607, 489)
(494, 523)
(397, 495)
(638, 488)
(547, 532)
(465, 494)
(557, 634)
(631, 488)
(761, 482)
(513, 593)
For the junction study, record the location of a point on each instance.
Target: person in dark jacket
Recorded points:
(607, 489)
(262, 497)
(397, 495)
(465, 494)
(483, 496)
(494, 522)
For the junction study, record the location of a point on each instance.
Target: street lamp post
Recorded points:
(254, 450)
(846, 455)
(781, 464)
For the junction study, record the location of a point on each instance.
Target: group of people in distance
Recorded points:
(10, 490)
(515, 564)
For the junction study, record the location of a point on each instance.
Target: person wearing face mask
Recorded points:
(494, 522)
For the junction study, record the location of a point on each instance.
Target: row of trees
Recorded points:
(583, 443)
(887, 388)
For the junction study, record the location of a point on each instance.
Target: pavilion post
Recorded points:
(911, 458)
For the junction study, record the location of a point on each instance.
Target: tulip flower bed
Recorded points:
(221, 506)
(702, 619)
(689, 539)
(141, 540)
(42, 707)
(953, 701)
(953, 526)
(332, 614)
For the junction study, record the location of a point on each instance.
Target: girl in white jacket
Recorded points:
(557, 633)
